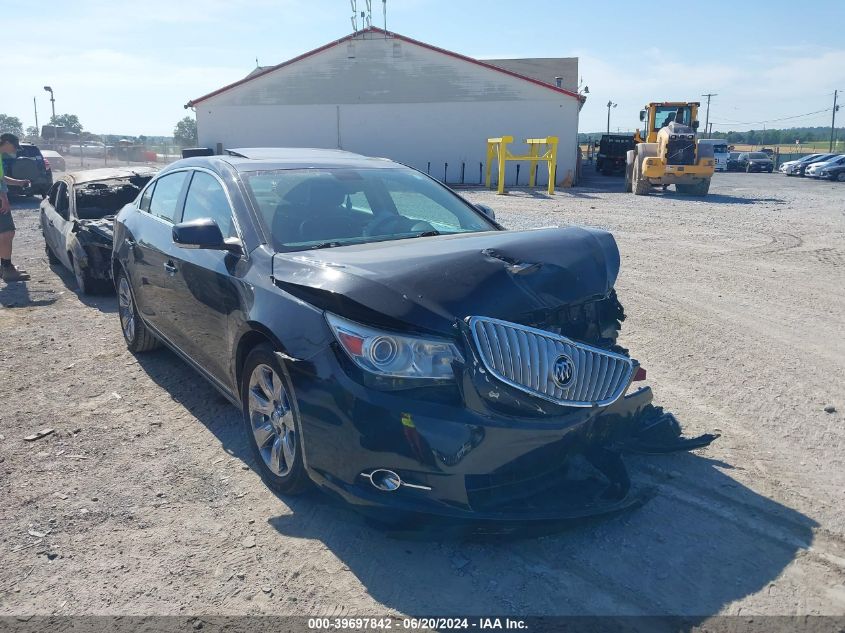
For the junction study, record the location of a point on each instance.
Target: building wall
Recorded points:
(387, 97)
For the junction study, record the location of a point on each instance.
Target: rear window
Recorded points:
(720, 149)
(758, 155)
(29, 151)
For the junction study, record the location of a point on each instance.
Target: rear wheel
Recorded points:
(271, 422)
(138, 338)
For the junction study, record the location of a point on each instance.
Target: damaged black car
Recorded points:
(77, 217)
(388, 340)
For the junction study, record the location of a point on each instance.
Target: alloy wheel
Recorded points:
(271, 420)
(126, 309)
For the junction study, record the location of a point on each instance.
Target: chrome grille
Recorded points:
(525, 358)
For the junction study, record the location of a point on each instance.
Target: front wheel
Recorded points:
(138, 338)
(271, 422)
(841, 177)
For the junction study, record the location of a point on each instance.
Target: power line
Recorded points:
(786, 118)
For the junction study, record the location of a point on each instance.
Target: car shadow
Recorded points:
(106, 302)
(703, 541)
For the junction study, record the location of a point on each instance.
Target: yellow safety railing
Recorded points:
(539, 149)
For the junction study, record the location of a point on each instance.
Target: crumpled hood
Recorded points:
(430, 283)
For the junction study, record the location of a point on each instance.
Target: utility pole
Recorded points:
(37, 129)
(707, 113)
(610, 104)
(833, 121)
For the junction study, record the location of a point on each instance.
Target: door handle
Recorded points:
(170, 268)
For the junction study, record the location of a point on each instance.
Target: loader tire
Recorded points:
(697, 189)
(639, 184)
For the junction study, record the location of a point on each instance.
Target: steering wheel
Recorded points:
(384, 225)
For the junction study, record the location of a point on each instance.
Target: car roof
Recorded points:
(245, 159)
(107, 173)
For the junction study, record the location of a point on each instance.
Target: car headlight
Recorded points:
(395, 355)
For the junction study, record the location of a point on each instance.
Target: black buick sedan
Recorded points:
(386, 339)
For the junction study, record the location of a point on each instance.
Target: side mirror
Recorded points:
(203, 233)
(695, 125)
(486, 211)
(642, 115)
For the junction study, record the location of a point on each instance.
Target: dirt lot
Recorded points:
(147, 503)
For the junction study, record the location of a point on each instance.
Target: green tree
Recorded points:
(70, 121)
(11, 124)
(185, 132)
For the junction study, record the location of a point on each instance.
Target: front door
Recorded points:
(204, 289)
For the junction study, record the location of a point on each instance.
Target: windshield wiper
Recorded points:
(430, 233)
(324, 245)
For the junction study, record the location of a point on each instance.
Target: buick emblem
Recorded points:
(563, 371)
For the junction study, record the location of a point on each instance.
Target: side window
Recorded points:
(62, 201)
(207, 199)
(168, 190)
(51, 196)
(144, 203)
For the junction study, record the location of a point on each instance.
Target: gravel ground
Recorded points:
(143, 501)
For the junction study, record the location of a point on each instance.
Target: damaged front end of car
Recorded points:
(90, 244)
(474, 378)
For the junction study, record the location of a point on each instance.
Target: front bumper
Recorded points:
(655, 169)
(464, 461)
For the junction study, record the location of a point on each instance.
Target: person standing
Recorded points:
(9, 144)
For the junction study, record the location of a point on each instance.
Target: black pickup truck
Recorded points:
(612, 150)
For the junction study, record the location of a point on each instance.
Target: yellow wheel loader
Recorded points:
(670, 153)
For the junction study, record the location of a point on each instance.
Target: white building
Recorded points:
(383, 94)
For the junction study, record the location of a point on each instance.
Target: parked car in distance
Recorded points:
(77, 217)
(29, 164)
(755, 162)
(388, 340)
(799, 168)
(836, 172)
(814, 169)
(720, 155)
(733, 161)
(787, 166)
(56, 160)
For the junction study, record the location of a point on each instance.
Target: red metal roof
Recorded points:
(397, 36)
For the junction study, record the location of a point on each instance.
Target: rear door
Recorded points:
(151, 254)
(48, 218)
(203, 291)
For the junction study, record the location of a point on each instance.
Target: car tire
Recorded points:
(51, 256)
(841, 176)
(135, 332)
(271, 422)
(85, 283)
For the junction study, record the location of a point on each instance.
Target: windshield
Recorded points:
(664, 115)
(758, 155)
(720, 149)
(317, 208)
(97, 200)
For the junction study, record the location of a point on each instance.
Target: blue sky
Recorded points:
(128, 67)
